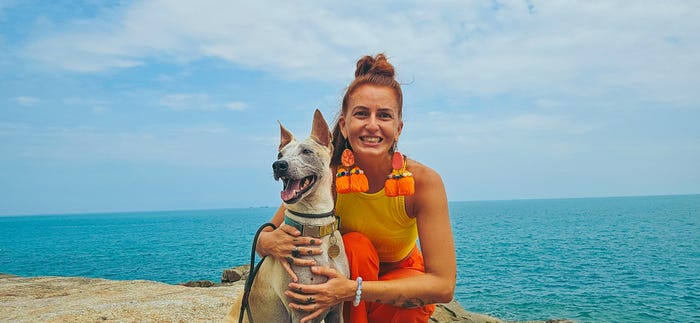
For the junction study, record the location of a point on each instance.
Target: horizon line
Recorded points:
(269, 206)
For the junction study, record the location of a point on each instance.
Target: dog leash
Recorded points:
(251, 275)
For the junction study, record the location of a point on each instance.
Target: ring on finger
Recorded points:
(295, 252)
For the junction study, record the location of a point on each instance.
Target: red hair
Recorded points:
(376, 71)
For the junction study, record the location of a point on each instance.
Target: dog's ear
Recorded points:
(285, 136)
(319, 130)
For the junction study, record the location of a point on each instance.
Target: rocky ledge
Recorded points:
(77, 299)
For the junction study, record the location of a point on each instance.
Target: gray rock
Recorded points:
(453, 312)
(199, 283)
(235, 274)
(77, 299)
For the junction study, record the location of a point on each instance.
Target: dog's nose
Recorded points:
(280, 166)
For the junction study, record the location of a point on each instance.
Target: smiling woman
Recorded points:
(396, 280)
(392, 279)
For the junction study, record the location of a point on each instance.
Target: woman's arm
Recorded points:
(280, 242)
(264, 246)
(429, 206)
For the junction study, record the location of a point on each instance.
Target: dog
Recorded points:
(304, 168)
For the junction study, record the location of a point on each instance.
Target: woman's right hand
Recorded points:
(287, 246)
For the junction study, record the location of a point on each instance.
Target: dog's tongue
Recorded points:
(291, 190)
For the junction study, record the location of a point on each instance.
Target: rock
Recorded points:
(199, 283)
(453, 312)
(235, 274)
(77, 299)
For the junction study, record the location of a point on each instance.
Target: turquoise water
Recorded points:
(632, 259)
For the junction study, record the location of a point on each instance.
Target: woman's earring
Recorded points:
(350, 179)
(400, 182)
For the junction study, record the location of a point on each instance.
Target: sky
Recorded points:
(109, 106)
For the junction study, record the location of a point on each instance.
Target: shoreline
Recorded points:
(81, 299)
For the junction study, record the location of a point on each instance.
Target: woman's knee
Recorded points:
(389, 313)
(356, 239)
(362, 256)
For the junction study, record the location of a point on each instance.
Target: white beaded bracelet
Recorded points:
(358, 292)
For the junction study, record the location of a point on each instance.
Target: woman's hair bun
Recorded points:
(377, 65)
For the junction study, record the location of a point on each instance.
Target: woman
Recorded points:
(392, 279)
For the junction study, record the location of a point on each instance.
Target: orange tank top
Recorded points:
(382, 219)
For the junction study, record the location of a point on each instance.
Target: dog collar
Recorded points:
(316, 231)
(311, 215)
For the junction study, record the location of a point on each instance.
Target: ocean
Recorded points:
(626, 259)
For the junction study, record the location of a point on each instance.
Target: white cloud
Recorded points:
(441, 139)
(87, 102)
(198, 101)
(519, 93)
(204, 145)
(26, 100)
(478, 48)
(83, 52)
(236, 106)
(538, 124)
(186, 101)
(548, 104)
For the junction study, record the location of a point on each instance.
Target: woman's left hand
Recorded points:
(316, 299)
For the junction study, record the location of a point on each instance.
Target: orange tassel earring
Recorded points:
(349, 179)
(400, 182)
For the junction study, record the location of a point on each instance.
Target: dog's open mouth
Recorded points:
(295, 188)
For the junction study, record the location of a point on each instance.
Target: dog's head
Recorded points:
(304, 165)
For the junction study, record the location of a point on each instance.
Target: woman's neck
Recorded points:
(376, 169)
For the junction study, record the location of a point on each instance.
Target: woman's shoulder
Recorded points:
(422, 173)
(429, 189)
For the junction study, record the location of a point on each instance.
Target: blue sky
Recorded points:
(160, 105)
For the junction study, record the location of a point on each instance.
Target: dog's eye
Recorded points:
(307, 151)
(279, 156)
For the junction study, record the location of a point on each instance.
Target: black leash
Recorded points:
(251, 275)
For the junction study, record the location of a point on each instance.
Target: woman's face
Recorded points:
(371, 122)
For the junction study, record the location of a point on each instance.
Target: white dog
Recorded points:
(304, 168)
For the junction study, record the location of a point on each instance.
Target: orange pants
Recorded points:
(364, 262)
